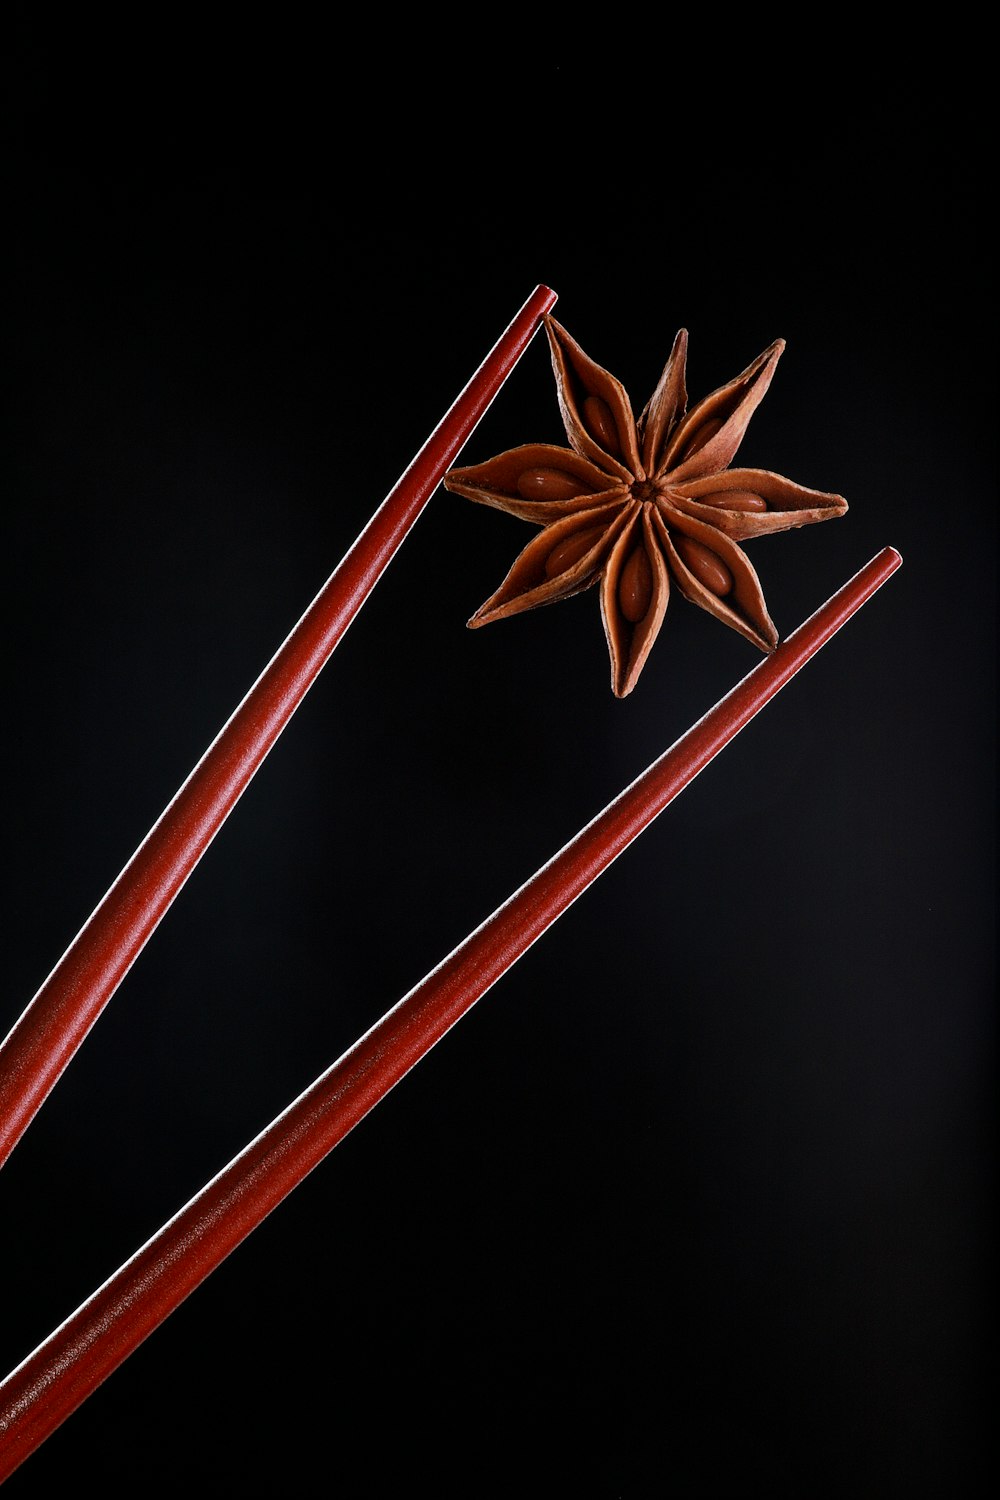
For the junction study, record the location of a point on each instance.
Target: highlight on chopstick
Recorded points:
(48, 1386)
(54, 1025)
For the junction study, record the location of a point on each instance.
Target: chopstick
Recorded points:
(56, 1021)
(79, 1355)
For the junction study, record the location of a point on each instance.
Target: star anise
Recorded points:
(638, 504)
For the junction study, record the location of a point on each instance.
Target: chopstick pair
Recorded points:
(78, 1356)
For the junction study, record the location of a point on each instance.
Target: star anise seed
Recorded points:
(636, 505)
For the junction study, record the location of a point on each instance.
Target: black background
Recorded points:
(700, 1195)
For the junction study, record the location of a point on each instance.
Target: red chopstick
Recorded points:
(54, 1024)
(53, 1381)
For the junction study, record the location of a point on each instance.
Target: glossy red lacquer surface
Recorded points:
(58, 1376)
(53, 1026)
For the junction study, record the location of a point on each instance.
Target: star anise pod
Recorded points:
(636, 505)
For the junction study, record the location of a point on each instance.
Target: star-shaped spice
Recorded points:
(637, 505)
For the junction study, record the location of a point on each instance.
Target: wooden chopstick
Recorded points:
(55, 1023)
(54, 1380)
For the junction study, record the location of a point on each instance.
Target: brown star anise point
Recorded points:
(636, 505)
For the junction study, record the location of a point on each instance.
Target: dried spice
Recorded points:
(638, 505)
